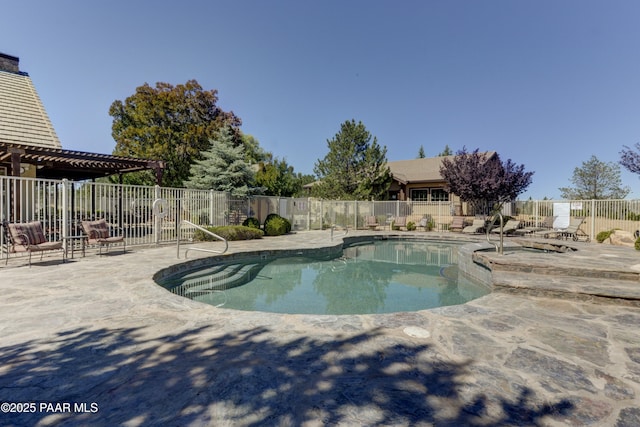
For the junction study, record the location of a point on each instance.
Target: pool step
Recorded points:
(224, 277)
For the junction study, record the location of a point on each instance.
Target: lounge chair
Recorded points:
(399, 222)
(509, 228)
(573, 231)
(29, 237)
(457, 223)
(477, 226)
(372, 223)
(425, 223)
(97, 233)
(545, 226)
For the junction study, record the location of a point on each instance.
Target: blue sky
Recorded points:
(545, 83)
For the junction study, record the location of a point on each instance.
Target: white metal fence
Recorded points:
(60, 205)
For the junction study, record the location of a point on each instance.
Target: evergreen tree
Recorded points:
(421, 154)
(595, 180)
(355, 167)
(222, 168)
(446, 152)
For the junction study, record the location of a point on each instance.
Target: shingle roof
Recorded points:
(23, 119)
(420, 170)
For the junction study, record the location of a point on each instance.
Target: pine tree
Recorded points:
(222, 168)
(446, 152)
(595, 180)
(355, 167)
(421, 154)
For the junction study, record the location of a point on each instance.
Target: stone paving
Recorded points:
(96, 342)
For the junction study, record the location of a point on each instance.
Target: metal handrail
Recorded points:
(204, 230)
(499, 248)
(333, 227)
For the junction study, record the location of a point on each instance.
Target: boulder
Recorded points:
(622, 238)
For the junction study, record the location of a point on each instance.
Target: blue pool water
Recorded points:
(375, 277)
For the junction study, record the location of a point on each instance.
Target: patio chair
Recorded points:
(97, 233)
(372, 223)
(457, 223)
(545, 225)
(426, 223)
(573, 231)
(29, 237)
(399, 222)
(509, 228)
(477, 226)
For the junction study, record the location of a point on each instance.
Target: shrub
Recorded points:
(411, 226)
(269, 217)
(251, 222)
(229, 232)
(637, 244)
(281, 222)
(277, 226)
(603, 235)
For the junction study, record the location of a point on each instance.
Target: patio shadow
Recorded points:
(201, 377)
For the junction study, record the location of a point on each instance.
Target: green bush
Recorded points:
(251, 222)
(411, 226)
(277, 226)
(269, 218)
(229, 232)
(637, 244)
(603, 235)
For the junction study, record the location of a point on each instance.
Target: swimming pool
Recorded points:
(369, 277)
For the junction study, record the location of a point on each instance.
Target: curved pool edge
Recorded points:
(569, 276)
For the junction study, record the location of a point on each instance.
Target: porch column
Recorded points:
(16, 153)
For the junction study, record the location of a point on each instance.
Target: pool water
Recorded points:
(376, 277)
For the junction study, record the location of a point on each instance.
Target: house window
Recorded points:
(439, 195)
(420, 195)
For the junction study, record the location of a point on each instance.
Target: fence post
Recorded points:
(211, 213)
(355, 214)
(593, 220)
(157, 223)
(65, 215)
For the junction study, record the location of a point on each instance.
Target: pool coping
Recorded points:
(512, 272)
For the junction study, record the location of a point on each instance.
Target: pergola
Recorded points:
(56, 163)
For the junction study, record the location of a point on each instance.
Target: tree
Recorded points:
(253, 152)
(170, 123)
(446, 152)
(483, 180)
(355, 167)
(421, 154)
(630, 158)
(595, 180)
(222, 168)
(278, 178)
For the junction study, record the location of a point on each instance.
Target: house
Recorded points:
(29, 145)
(419, 180)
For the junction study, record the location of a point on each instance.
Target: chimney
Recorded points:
(9, 63)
